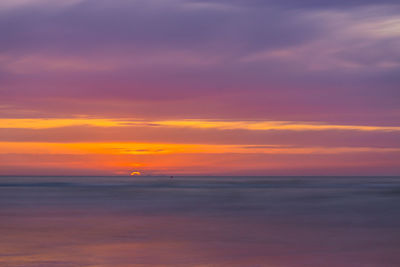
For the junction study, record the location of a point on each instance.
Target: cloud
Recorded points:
(307, 162)
(306, 4)
(357, 40)
(198, 124)
(254, 73)
(38, 64)
(159, 148)
(7, 5)
(197, 50)
(272, 125)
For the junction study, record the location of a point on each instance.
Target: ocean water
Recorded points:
(200, 221)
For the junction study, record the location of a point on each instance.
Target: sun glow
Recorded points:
(135, 173)
(167, 148)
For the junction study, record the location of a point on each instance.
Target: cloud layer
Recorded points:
(334, 63)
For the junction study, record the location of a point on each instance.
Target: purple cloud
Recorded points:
(309, 60)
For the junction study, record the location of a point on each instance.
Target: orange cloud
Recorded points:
(159, 148)
(40, 123)
(271, 125)
(177, 153)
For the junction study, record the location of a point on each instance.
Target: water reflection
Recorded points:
(200, 221)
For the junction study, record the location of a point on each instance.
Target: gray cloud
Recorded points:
(321, 57)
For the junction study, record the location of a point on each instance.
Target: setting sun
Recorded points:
(135, 173)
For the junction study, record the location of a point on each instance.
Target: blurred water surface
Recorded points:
(200, 221)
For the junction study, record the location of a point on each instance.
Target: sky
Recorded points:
(200, 87)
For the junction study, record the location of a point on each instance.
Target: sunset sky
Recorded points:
(200, 87)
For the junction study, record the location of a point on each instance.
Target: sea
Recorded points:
(318, 221)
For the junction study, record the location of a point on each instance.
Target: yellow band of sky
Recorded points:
(40, 123)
